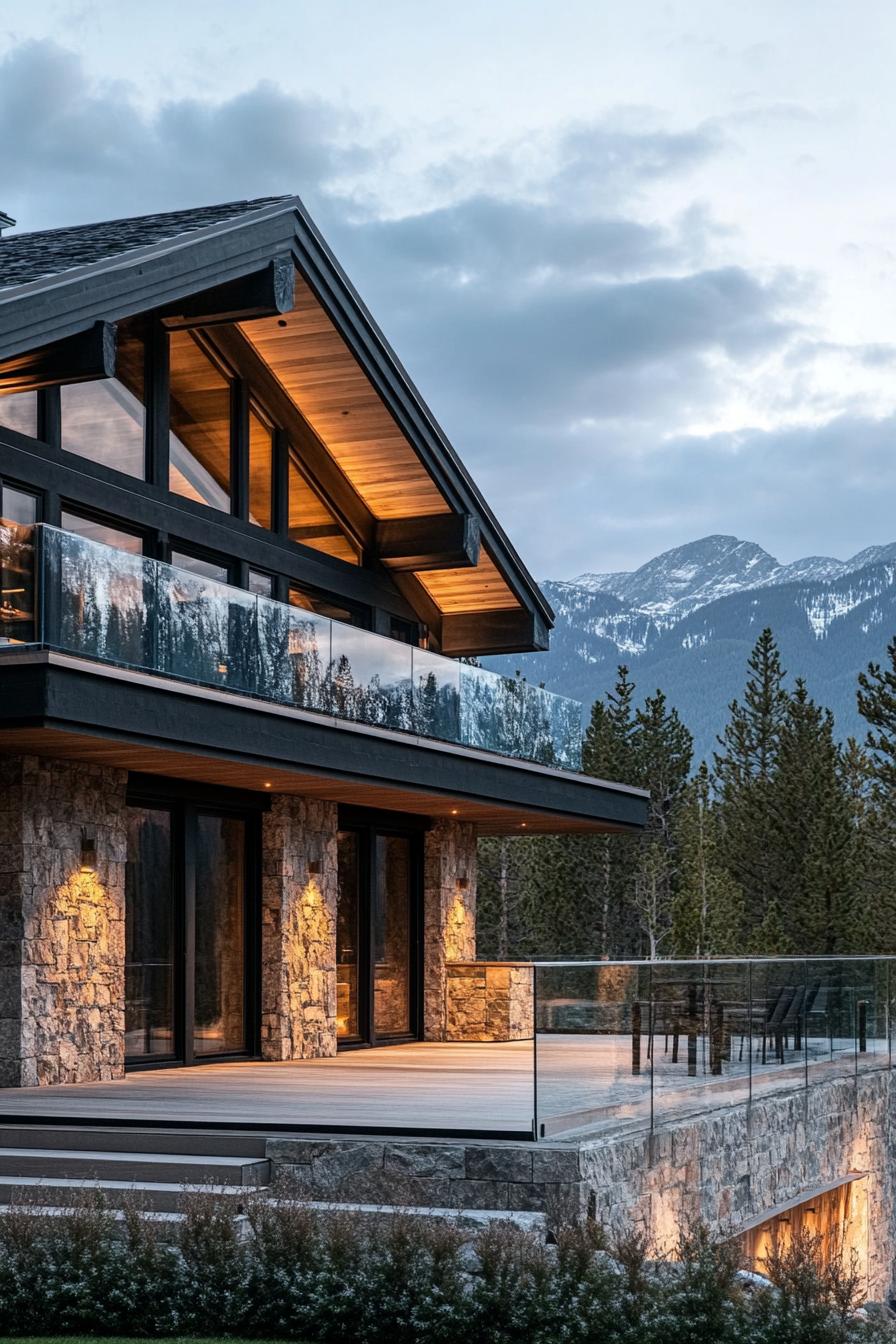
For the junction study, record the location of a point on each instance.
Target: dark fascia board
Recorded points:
(54, 691)
(164, 273)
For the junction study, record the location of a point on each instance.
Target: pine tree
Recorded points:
(744, 769)
(811, 838)
(877, 705)
(663, 749)
(707, 911)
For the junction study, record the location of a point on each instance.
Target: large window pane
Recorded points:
(261, 465)
(391, 935)
(220, 1010)
(149, 935)
(104, 420)
(18, 410)
(197, 564)
(18, 506)
(312, 523)
(95, 529)
(200, 424)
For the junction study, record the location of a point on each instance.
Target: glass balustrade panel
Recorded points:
(436, 696)
(701, 1036)
(371, 678)
(592, 1046)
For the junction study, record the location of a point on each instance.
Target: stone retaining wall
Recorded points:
(725, 1167)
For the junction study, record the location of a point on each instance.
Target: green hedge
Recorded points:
(328, 1279)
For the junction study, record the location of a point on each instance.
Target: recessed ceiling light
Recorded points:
(281, 322)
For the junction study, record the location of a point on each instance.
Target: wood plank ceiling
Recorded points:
(306, 353)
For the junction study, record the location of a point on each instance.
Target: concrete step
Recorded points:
(468, 1220)
(166, 1225)
(171, 1168)
(132, 1139)
(61, 1192)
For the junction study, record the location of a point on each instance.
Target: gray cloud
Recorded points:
(561, 335)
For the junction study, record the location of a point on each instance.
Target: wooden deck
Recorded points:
(584, 1084)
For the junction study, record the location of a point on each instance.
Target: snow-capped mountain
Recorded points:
(687, 619)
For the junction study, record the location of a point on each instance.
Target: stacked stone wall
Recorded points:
(62, 936)
(489, 1001)
(298, 929)
(449, 915)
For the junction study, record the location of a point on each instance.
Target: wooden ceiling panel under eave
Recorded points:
(321, 375)
(480, 588)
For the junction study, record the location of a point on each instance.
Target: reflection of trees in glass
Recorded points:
(129, 610)
(102, 591)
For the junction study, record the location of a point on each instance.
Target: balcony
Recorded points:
(64, 593)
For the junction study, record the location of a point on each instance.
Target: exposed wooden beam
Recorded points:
(435, 541)
(516, 631)
(76, 359)
(264, 293)
(338, 492)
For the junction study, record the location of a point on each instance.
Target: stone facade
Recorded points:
(489, 1001)
(62, 935)
(449, 915)
(727, 1167)
(298, 929)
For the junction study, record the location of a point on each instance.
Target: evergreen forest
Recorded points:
(783, 843)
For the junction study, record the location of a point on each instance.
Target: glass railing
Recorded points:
(98, 602)
(643, 1043)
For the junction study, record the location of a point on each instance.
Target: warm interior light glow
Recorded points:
(267, 783)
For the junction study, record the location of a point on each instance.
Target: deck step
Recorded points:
(183, 1168)
(128, 1139)
(62, 1192)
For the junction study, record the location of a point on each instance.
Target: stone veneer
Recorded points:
(726, 1167)
(489, 1001)
(449, 915)
(298, 929)
(62, 939)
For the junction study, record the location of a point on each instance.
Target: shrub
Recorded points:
(396, 1279)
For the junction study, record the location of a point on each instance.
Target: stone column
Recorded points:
(298, 929)
(62, 933)
(449, 914)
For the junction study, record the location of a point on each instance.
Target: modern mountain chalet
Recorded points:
(245, 745)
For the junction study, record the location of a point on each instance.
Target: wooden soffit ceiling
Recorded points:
(306, 353)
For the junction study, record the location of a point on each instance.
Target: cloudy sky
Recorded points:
(640, 258)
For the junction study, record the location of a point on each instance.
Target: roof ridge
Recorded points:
(245, 206)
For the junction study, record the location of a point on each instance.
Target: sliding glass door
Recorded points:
(377, 945)
(190, 936)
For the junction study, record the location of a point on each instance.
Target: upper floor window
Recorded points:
(199, 452)
(261, 470)
(18, 410)
(104, 421)
(334, 608)
(18, 506)
(205, 566)
(312, 523)
(97, 529)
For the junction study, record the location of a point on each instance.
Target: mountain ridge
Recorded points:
(686, 621)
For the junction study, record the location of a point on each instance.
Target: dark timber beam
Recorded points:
(436, 541)
(338, 492)
(76, 359)
(265, 293)
(471, 632)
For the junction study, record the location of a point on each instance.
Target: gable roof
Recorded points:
(58, 283)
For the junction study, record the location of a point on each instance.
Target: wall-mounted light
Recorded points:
(314, 867)
(88, 849)
(463, 882)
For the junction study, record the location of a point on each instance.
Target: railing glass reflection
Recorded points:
(639, 1043)
(102, 603)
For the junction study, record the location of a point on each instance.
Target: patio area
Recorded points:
(573, 1083)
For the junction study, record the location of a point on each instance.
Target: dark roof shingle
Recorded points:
(36, 256)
